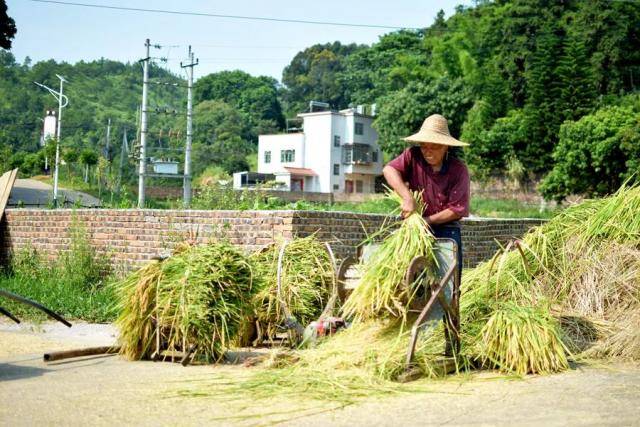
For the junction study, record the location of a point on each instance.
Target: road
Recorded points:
(34, 193)
(111, 391)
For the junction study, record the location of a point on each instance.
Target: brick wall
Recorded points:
(130, 237)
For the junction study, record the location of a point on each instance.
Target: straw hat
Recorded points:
(436, 131)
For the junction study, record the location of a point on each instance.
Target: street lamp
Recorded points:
(62, 102)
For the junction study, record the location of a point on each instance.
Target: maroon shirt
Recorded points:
(446, 189)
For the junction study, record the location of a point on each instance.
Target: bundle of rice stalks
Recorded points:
(571, 261)
(307, 280)
(198, 297)
(380, 290)
(521, 340)
(203, 296)
(135, 303)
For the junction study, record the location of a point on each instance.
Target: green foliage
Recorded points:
(7, 27)
(491, 148)
(596, 154)
(71, 285)
(313, 75)
(402, 112)
(218, 138)
(255, 98)
(370, 73)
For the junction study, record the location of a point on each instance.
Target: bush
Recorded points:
(595, 154)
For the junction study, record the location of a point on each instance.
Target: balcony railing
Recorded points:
(356, 154)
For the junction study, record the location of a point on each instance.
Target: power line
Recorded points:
(216, 15)
(231, 46)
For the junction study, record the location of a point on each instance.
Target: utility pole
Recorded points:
(107, 147)
(143, 130)
(63, 101)
(57, 167)
(187, 152)
(123, 152)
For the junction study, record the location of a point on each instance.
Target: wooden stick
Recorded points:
(69, 354)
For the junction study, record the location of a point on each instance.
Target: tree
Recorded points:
(367, 73)
(255, 97)
(70, 156)
(491, 150)
(7, 27)
(402, 112)
(312, 75)
(217, 141)
(576, 85)
(595, 154)
(88, 158)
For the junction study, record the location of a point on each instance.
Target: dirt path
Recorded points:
(110, 391)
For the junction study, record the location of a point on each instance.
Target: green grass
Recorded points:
(72, 285)
(63, 297)
(509, 208)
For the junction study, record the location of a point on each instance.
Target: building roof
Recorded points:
(345, 112)
(301, 171)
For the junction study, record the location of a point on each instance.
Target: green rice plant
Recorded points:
(380, 290)
(522, 340)
(197, 297)
(202, 297)
(135, 305)
(576, 264)
(307, 280)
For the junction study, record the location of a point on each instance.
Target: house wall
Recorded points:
(130, 237)
(370, 137)
(315, 150)
(318, 137)
(339, 128)
(277, 143)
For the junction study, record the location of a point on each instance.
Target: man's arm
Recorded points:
(394, 179)
(443, 216)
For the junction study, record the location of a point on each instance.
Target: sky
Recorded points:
(73, 33)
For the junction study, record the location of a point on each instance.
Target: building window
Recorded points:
(359, 154)
(359, 129)
(287, 156)
(336, 187)
(358, 186)
(336, 140)
(336, 169)
(374, 156)
(267, 156)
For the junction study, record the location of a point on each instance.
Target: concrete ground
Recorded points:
(106, 390)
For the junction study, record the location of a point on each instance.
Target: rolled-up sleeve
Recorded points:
(402, 164)
(459, 193)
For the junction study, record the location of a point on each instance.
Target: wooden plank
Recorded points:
(6, 184)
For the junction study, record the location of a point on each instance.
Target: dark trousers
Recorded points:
(451, 232)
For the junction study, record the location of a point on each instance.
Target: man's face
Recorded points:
(433, 153)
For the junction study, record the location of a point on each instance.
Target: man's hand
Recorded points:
(408, 206)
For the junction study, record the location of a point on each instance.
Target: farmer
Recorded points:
(428, 166)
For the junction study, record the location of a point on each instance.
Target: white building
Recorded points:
(337, 152)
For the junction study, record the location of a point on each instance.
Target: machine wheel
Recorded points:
(415, 269)
(343, 291)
